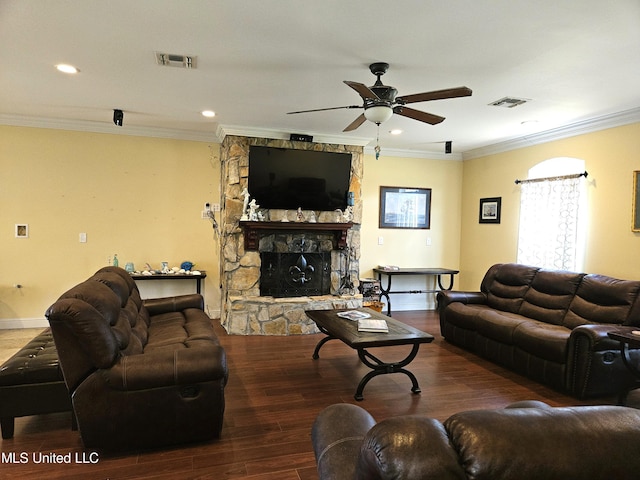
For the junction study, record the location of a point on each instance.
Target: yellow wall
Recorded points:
(408, 247)
(142, 197)
(610, 157)
(138, 197)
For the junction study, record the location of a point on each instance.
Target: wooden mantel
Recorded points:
(252, 231)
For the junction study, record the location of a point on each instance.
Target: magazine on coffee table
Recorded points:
(353, 314)
(372, 325)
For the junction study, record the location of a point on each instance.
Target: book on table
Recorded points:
(372, 325)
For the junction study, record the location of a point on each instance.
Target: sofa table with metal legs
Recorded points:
(436, 272)
(346, 331)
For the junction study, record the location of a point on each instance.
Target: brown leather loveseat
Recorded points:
(551, 326)
(525, 441)
(141, 374)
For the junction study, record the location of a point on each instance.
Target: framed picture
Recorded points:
(635, 208)
(402, 207)
(22, 230)
(490, 210)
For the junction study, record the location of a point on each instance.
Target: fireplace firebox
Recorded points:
(295, 274)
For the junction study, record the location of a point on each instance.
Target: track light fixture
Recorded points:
(118, 117)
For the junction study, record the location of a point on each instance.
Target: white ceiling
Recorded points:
(577, 61)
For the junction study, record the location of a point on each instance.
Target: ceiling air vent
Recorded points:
(508, 102)
(173, 60)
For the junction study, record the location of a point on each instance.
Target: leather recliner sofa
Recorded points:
(551, 326)
(141, 374)
(525, 441)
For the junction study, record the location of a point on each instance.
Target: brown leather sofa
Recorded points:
(141, 374)
(525, 441)
(551, 326)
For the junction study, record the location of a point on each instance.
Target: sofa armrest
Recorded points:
(594, 364)
(408, 446)
(596, 336)
(337, 435)
(156, 306)
(445, 297)
(163, 368)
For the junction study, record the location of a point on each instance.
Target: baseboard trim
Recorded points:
(17, 323)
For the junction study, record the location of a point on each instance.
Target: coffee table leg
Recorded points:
(319, 345)
(381, 368)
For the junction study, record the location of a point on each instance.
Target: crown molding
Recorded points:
(103, 127)
(402, 153)
(224, 130)
(579, 128)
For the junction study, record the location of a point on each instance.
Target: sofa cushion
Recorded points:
(600, 299)
(189, 328)
(463, 315)
(509, 285)
(549, 295)
(498, 325)
(559, 443)
(542, 339)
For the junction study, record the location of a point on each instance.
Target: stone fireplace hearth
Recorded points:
(325, 277)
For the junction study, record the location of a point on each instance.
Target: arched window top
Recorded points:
(554, 167)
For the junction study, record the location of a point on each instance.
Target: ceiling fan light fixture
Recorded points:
(378, 114)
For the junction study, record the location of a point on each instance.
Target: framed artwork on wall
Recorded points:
(490, 210)
(404, 207)
(635, 208)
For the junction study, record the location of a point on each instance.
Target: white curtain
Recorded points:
(549, 222)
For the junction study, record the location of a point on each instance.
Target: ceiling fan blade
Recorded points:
(323, 109)
(356, 123)
(418, 115)
(435, 95)
(364, 91)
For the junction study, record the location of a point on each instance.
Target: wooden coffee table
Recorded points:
(346, 331)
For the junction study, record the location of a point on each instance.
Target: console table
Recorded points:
(437, 272)
(173, 276)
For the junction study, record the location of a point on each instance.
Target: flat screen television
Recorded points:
(287, 179)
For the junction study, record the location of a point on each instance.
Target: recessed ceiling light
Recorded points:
(395, 132)
(65, 68)
(208, 113)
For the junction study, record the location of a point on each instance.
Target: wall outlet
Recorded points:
(215, 207)
(205, 214)
(380, 240)
(82, 237)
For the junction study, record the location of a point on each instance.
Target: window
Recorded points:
(552, 215)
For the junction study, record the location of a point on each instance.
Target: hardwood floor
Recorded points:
(274, 393)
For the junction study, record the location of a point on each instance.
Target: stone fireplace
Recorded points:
(272, 271)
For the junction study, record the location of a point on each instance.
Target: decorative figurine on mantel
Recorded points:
(312, 217)
(300, 215)
(245, 203)
(253, 207)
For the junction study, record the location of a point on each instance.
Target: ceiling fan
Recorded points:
(380, 101)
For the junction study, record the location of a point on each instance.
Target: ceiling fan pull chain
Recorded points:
(377, 149)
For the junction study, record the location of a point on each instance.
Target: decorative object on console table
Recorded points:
(490, 210)
(405, 207)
